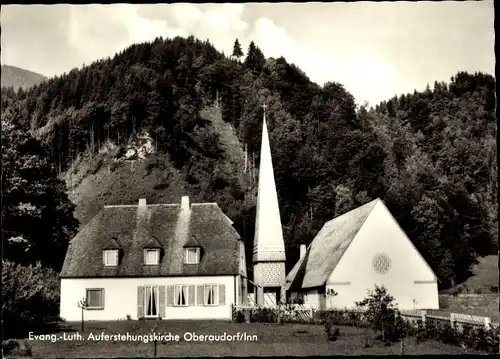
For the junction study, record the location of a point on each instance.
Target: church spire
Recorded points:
(269, 247)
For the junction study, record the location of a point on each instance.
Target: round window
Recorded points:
(381, 263)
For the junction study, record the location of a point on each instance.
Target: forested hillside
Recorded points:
(20, 78)
(189, 112)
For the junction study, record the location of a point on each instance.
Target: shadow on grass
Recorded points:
(21, 331)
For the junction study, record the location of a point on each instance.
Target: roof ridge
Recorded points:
(356, 232)
(327, 228)
(374, 201)
(160, 205)
(136, 205)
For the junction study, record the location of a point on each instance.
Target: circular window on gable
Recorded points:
(381, 263)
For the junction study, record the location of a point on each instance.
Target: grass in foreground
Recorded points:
(272, 340)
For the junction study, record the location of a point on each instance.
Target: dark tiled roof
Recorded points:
(135, 228)
(112, 244)
(192, 242)
(327, 248)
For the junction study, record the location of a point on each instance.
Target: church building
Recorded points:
(269, 246)
(356, 251)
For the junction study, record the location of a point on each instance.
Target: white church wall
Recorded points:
(409, 280)
(120, 298)
(312, 298)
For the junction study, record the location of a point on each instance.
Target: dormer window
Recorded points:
(151, 256)
(111, 257)
(192, 255)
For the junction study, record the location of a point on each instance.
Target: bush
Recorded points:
(8, 346)
(12, 347)
(468, 337)
(396, 329)
(448, 334)
(380, 312)
(30, 297)
(418, 330)
(345, 318)
(332, 332)
(321, 315)
(263, 315)
(238, 316)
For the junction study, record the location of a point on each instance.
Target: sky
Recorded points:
(375, 49)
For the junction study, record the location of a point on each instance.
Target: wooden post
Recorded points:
(83, 305)
(248, 314)
(279, 317)
(424, 316)
(452, 319)
(312, 313)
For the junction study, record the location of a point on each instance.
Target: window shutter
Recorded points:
(161, 293)
(170, 295)
(222, 294)
(140, 302)
(191, 293)
(200, 295)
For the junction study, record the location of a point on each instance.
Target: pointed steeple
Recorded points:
(268, 241)
(269, 247)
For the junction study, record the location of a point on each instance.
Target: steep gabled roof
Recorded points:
(192, 242)
(135, 228)
(327, 248)
(153, 243)
(112, 244)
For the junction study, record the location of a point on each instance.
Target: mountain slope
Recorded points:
(19, 78)
(143, 124)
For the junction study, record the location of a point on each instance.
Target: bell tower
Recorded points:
(269, 246)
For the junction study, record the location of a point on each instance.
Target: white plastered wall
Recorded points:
(409, 280)
(120, 297)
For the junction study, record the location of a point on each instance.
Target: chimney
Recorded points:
(303, 250)
(142, 202)
(185, 203)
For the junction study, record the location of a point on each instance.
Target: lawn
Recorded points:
(485, 274)
(271, 340)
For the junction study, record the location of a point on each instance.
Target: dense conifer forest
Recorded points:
(430, 155)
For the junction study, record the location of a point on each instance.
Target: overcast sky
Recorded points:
(376, 50)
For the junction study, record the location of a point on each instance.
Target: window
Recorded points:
(151, 256)
(151, 301)
(111, 258)
(181, 295)
(192, 255)
(95, 298)
(211, 294)
(381, 263)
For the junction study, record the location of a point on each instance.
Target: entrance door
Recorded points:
(271, 296)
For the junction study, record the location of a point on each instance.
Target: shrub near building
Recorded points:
(30, 297)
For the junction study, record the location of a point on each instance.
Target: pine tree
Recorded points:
(250, 59)
(255, 59)
(237, 52)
